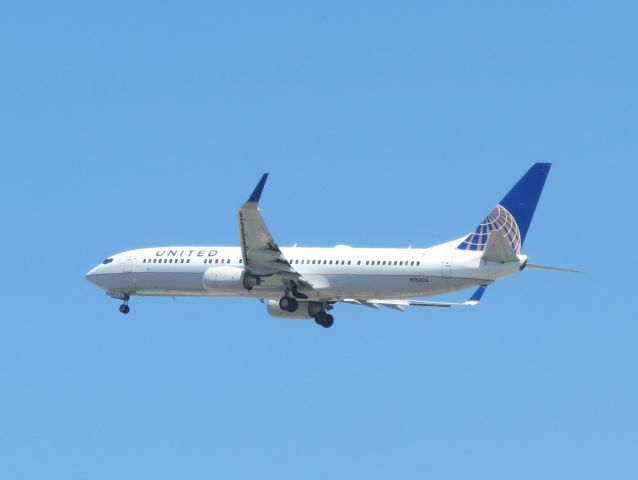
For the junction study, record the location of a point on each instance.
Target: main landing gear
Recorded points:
(289, 304)
(317, 310)
(324, 319)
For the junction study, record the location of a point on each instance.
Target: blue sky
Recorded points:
(132, 124)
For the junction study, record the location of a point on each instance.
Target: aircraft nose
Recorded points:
(92, 275)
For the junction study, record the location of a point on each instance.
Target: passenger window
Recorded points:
(384, 262)
(411, 263)
(330, 262)
(313, 262)
(418, 263)
(367, 262)
(359, 262)
(182, 261)
(349, 262)
(241, 260)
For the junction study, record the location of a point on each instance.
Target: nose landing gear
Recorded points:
(124, 308)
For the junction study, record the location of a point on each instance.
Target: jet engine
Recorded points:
(229, 278)
(224, 278)
(250, 281)
(306, 310)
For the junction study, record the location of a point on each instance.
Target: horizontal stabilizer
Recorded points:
(548, 267)
(498, 248)
(401, 304)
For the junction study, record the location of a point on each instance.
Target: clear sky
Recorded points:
(132, 124)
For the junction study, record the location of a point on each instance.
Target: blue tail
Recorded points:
(513, 214)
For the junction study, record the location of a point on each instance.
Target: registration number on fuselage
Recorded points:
(419, 279)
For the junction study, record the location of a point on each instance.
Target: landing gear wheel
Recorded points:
(329, 321)
(324, 319)
(289, 304)
(124, 308)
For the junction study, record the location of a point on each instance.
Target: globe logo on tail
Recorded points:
(498, 219)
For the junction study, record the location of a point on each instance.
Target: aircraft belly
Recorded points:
(191, 284)
(389, 286)
(158, 283)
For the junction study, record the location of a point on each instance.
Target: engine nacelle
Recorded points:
(306, 310)
(250, 281)
(229, 278)
(224, 278)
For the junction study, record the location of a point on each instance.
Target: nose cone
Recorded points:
(93, 276)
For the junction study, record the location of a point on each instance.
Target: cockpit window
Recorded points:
(107, 261)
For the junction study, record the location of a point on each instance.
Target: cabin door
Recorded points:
(446, 267)
(128, 264)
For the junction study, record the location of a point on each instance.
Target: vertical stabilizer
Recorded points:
(513, 215)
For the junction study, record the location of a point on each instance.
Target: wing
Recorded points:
(261, 255)
(402, 304)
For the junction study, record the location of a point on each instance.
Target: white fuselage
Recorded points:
(340, 272)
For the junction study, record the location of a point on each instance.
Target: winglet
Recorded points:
(254, 197)
(476, 297)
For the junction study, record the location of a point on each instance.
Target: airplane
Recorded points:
(306, 283)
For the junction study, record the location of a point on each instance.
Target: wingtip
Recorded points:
(256, 195)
